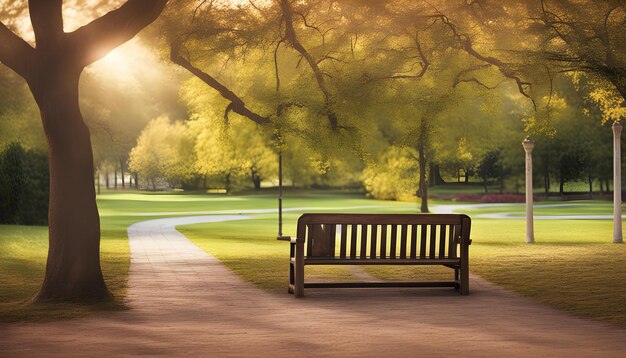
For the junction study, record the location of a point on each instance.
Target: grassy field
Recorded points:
(573, 266)
(23, 252)
(578, 207)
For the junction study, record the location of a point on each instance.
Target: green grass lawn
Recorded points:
(578, 207)
(573, 266)
(23, 252)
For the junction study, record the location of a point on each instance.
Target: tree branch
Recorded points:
(237, 105)
(292, 38)
(15, 53)
(46, 17)
(466, 44)
(104, 34)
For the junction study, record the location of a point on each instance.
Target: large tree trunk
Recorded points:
(52, 70)
(73, 267)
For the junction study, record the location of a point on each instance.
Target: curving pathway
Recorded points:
(183, 302)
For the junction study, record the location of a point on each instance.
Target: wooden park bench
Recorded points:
(381, 239)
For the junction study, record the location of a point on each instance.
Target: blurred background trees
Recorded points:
(391, 97)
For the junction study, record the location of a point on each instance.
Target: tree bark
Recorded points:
(546, 177)
(256, 180)
(423, 186)
(227, 183)
(73, 266)
(115, 178)
(123, 172)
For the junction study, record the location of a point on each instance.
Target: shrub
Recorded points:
(24, 186)
(394, 177)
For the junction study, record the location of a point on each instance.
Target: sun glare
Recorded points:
(125, 63)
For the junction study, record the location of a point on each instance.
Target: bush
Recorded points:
(24, 186)
(394, 177)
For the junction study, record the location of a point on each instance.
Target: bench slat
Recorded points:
(383, 241)
(373, 237)
(433, 241)
(392, 244)
(332, 232)
(344, 239)
(413, 241)
(363, 241)
(442, 241)
(423, 229)
(353, 242)
(403, 235)
(457, 232)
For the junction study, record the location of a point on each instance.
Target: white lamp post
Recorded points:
(528, 148)
(617, 184)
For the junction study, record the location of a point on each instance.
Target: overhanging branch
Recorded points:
(15, 53)
(104, 34)
(237, 105)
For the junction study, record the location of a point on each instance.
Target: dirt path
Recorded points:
(186, 303)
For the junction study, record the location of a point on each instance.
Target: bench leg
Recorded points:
(464, 289)
(298, 267)
(298, 287)
(291, 279)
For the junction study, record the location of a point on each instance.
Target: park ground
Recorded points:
(573, 266)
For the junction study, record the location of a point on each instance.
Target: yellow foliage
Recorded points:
(394, 177)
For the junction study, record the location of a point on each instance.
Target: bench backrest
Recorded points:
(384, 236)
